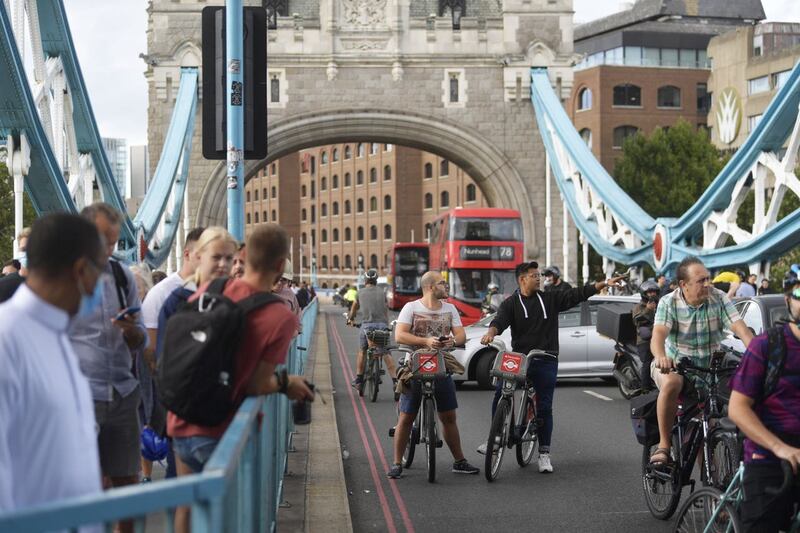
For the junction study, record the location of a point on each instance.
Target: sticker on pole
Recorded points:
(233, 183)
(234, 67)
(236, 93)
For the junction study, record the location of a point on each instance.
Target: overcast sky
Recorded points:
(109, 55)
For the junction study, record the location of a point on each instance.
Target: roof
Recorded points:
(723, 12)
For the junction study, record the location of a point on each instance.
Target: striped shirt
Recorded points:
(695, 332)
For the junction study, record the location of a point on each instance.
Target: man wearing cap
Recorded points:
(553, 281)
(283, 289)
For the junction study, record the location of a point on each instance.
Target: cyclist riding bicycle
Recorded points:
(371, 300)
(533, 317)
(432, 323)
(644, 314)
(690, 322)
(770, 418)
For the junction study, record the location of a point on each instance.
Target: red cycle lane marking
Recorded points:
(348, 373)
(387, 513)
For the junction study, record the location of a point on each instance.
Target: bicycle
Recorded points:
(377, 347)
(691, 434)
(512, 368)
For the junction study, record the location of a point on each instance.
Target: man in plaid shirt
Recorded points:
(690, 322)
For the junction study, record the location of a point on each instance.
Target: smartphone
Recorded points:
(128, 311)
(443, 338)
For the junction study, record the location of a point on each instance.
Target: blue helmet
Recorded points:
(153, 446)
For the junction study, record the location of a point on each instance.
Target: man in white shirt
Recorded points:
(48, 444)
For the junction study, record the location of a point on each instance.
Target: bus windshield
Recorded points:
(486, 229)
(410, 264)
(470, 285)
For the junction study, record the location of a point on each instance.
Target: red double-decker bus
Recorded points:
(474, 247)
(409, 261)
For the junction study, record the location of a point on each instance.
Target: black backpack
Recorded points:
(776, 359)
(195, 374)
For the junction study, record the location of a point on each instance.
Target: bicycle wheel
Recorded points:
(375, 376)
(662, 486)
(429, 418)
(726, 454)
(411, 446)
(696, 514)
(526, 421)
(498, 439)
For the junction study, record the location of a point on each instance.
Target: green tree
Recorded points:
(7, 213)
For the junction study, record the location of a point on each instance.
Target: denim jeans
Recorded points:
(194, 451)
(542, 373)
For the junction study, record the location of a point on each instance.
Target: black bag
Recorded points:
(195, 371)
(644, 418)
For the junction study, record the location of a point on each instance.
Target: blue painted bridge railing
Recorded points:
(238, 491)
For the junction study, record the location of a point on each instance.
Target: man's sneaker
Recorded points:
(463, 467)
(482, 448)
(396, 472)
(356, 383)
(545, 466)
(145, 479)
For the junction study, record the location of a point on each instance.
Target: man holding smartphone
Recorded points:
(430, 322)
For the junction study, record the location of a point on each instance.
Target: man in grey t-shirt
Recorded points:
(372, 302)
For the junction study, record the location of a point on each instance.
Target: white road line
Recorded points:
(592, 393)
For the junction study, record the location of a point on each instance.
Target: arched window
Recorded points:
(387, 202)
(348, 261)
(444, 168)
(324, 158)
(428, 171)
(360, 233)
(335, 180)
(373, 204)
(255, 192)
(360, 177)
(586, 135)
(628, 94)
(472, 192)
(274, 216)
(304, 238)
(335, 261)
(325, 262)
(348, 153)
(387, 173)
(335, 208)
(305, 261)
(623, 132)
(264, 193)
(313, 214)
(274, 169)
(335, 154)
(323, 210)
(373, 149)
(323, 184)
(347, 207)
(387, 231)
(669, 96)
(373, 175)
(303, 191)
(347, 179)
(264, 217)
(360, 205)
(248, 196)
(348, 235)
(324, 236)
(313, 190)
(248, 218)
(584, 99)
(360, 150)
(373, 261)
(303, 214)
(256, 217)
(373, 233)
(274, 192)
(428, 201)
(444, 199)
(335, 234)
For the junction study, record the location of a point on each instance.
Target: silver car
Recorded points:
(582, 351)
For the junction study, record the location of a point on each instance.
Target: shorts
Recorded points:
(688, 392)
(369, 326)
(119, 433)
(194, 451)
(444, 392)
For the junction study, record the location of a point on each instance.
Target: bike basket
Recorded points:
(427, 365)
(511, 366)
(379, 337)
(644, 418)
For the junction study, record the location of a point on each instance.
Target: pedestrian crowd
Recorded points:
(93, 338)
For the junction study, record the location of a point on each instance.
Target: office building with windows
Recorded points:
(750, 65)
(117, 153)
(648, 67)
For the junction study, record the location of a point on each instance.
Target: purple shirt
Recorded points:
(779, 412)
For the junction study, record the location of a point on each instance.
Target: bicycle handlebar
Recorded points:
(500, 346)
(788, 480)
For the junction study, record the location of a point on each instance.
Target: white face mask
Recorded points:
(547, 282)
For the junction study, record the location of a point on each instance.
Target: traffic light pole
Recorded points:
(234, 63)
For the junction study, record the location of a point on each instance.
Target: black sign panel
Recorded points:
(487, 253)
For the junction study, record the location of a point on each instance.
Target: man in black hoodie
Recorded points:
(533, 318)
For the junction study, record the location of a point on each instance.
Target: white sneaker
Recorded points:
(545, 466)
(482, 449)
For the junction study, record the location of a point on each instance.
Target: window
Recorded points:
(323, 184)
(453, 87)
(248, 218)
(335, 234)
(627, 95)
(335, 154)
(669, 57)
(313, 238)
(373, 261)
(360, 233)
(669, 96)
(387, 231)
(313, 164)
(387, 173)
(256, 217)
(779, 78)
(325, 262)
(324, 236)
(571, 318)
(335, 261)
(584, 99)
(387, 202)
(373, 204)
(255, 192)
(248, 196)
(347, 207)
(373, 175)
(623, 132)
(313, 214)
(264, 193)
(360, 150)
(388, 147)
(758, 45)
(274, 193)
(274, 216)
(348, 262)
(264, 216)
(275, 89)
(360, 205)
(373, 233)
(347, 179)
(428, 201)
(360, 177)
(752, 123)
(758, 85)
(348, 235)
(274, 169)
(444, 168)
(335, 181)
(303, 214)
(633, 56)
(348, 153)
(586, 135)
(303, 238)
(472, 193)
(428, 171)
(324, 158)
(703, 99)
(313, 190)
(445, 199)
(305, 261)
(323, 210)
(303, 191)
(373, 149)
(687, 58)
(752, 318)
(335, 209)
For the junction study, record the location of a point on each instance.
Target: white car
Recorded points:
(582, 351)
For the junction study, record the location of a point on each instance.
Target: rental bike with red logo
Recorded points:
(509, 429)
(427, 366)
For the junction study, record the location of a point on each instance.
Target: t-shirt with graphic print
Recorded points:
(429, 322)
